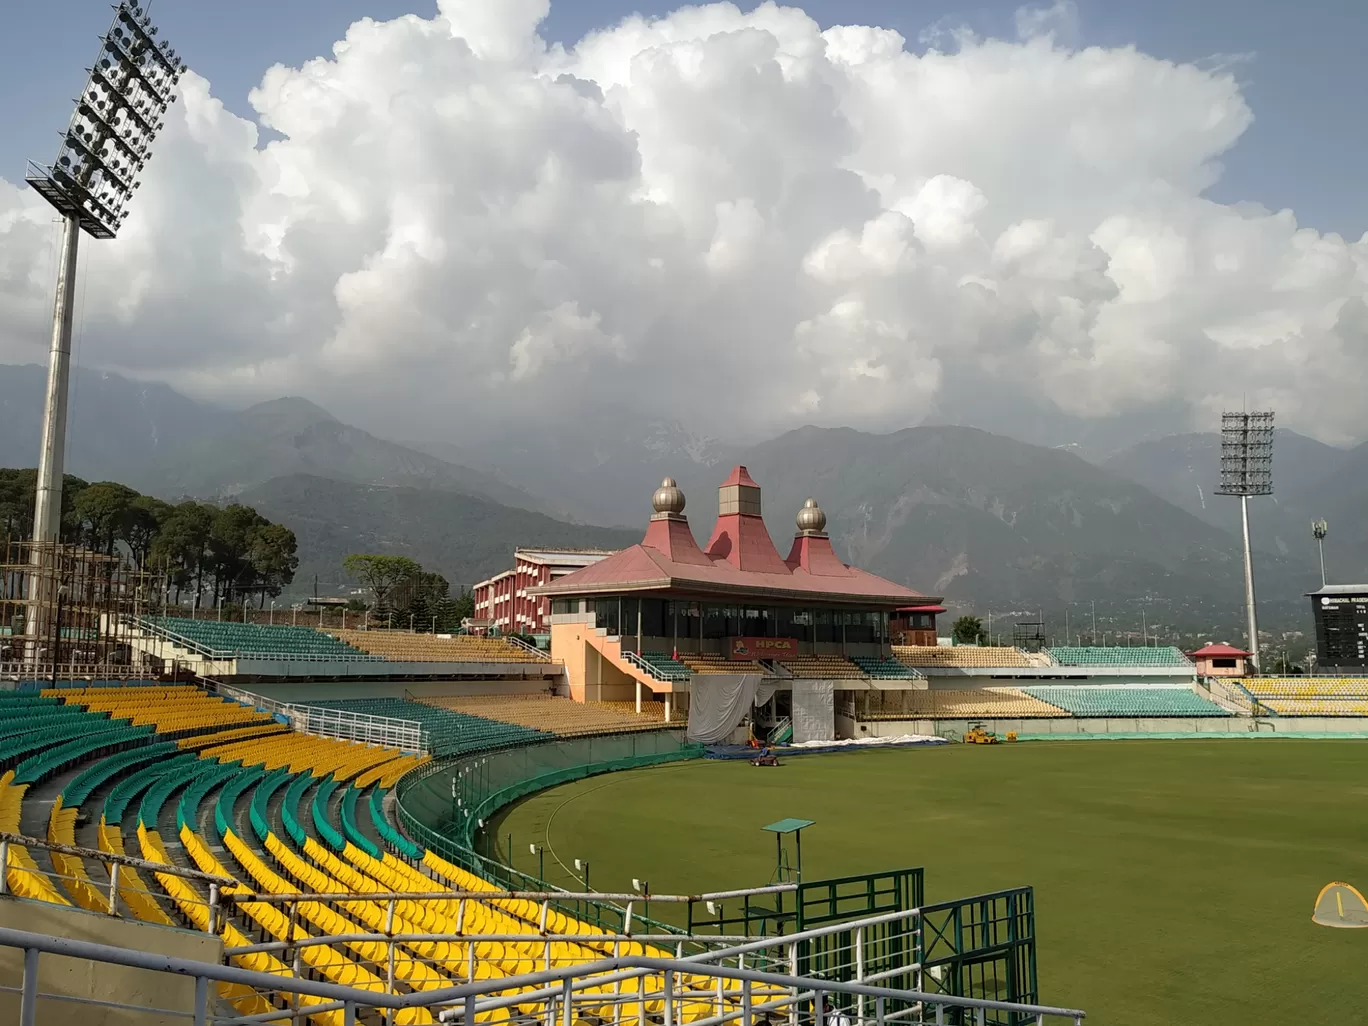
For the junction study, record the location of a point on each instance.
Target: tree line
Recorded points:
(230, 553)
(403, 594)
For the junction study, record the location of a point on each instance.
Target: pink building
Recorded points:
(1220, 661)
(502, 600)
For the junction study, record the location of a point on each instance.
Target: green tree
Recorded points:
(102, 511)
(141, 524)
(180, 549)
(968, 630)
(272, 556)
(380, 575)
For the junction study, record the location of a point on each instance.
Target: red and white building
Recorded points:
(502, 601)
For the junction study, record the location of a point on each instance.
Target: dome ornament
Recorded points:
(668, 499)
(811, 519)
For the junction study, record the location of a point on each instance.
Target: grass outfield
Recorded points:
(1183, 870)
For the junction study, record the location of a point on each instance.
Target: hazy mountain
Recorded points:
(600, 467)
(967, 514)
(1311, 479)
(117, 429)
(461, 536)
(293, 436)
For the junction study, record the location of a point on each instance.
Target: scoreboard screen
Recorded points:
(1341, 629)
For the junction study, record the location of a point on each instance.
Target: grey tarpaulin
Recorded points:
(814, 710)
(718, 702)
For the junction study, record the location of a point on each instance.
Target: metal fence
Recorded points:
(730, 986)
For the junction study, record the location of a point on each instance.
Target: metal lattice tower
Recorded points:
(1247, 469)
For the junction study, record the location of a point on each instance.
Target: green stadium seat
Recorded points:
(1126, 700)
(1097, 655)
(449, 732)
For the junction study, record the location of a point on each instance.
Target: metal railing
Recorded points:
(650, 669)
(745, 996)
(118, 885)
(325, 721)
(518, 643)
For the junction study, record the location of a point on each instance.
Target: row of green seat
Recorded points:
(249, 639)
(1116, 655)
(449, 732)
(386, 829)
(669, 667)
(48, 761)
(1125, 700)
(79, 789)
(885, 668)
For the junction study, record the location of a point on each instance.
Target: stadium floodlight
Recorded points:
(1319, 530)
(106, 146)
(1246, 470)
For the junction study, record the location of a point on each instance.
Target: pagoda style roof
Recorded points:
(1219, 650)
(739, 561)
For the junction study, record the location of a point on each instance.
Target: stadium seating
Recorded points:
(1127, 700)
(560, 716)
(960, 656)
(404, 646)
(710, 662)
(250, 639)
(975, 703)
(449, 731)
(668, 666)
(1308, 696)
(823, 666)
(1096, 655)
(885, 668)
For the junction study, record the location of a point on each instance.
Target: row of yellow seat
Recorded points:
(555, 715)
(405, 646)
(169, 709)
(22, 874)
(301, 753)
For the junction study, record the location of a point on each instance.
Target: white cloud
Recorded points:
(737, 220)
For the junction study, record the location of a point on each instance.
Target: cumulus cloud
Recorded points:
(734, 219)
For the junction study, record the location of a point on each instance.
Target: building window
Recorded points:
(1223, 664)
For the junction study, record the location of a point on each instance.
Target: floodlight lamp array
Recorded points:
(1246, 454)
(117, 116)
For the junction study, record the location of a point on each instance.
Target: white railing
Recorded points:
(652, 670)
(324, 721)
(518, 643)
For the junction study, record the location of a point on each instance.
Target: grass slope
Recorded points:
(1181, 870)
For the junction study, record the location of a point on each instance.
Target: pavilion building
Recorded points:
(666, 618)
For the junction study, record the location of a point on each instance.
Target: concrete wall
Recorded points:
(76, 978)
(1110, 725)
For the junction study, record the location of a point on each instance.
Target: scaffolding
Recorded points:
(64, 612)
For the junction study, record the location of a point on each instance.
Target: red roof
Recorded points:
(740, 560)
(921, 609)
(1218, 650)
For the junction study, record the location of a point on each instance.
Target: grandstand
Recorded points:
(1308, 696)
(252, 651)
(559, 716)
(1118, 656)
(973, 703)
(404, 646)
(449, 730)
(963, 657)
(1125, 700)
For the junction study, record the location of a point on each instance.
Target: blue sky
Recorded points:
(1302, 69)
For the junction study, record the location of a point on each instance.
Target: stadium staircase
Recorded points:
(640, 670)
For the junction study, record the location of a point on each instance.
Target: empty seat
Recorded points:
(1143, 701)
(961, 656)
(1116, 655)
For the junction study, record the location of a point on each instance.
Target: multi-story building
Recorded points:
(502, 600)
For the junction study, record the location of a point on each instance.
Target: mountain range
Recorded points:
(983, 519)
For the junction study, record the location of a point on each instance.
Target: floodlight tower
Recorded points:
(1319, 530)
(1247, 469)
(118, 114)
